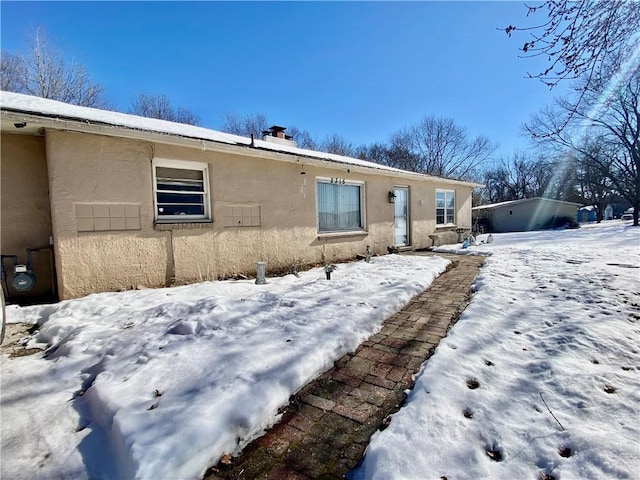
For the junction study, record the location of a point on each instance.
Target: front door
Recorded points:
(401, 216)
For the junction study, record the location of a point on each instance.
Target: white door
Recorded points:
(401, 216)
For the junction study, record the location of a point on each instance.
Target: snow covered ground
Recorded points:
(159, 384)
(540, 378)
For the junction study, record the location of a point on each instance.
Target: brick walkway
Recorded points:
(325, 429)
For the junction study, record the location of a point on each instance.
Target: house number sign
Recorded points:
(339, 181)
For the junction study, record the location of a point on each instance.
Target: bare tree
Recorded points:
(581, 40)
(12, 70)
(401, 152)
(45, 72)
(500, 186)
(338, 145)
(610, 111)
(257, 123)
(511, 179)
(303, 138)
(593, 176)
(548, 178)
(437, 146)
(376, 152)
(159, 106)
(396, 153)
(521, 176)
(555, 177)
(245, 125)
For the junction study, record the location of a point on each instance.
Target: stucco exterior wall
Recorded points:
(87, 170)
(95, 169)
(24, 214)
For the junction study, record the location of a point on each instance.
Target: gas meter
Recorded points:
(23, 278)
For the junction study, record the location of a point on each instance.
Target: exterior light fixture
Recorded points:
(392, 197)
(20, 124)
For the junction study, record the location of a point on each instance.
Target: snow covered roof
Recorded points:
(523, 200)
(52, 109)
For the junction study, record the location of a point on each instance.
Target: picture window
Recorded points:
(340, 206)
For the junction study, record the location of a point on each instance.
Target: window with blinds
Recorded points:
(340, 206)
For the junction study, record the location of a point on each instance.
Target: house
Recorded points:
(608, 212)
(616, 207)
(523, 215)
(97, 201)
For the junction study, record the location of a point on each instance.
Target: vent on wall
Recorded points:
(103, 217)
(242, 216)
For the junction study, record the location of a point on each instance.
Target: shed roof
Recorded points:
(494, 206)
(51, 109)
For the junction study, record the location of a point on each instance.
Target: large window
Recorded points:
(445, 207)
(340, 206)
(181, 191)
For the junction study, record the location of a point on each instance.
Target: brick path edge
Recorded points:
(326, 427)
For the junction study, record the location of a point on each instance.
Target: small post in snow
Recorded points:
(261, 268)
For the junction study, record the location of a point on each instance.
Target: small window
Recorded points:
(181, 191)
(445, 207)
(340, 206)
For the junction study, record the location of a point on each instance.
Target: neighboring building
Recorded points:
(522, 215)
(113, 201)
(587, 214)
(617, 206)
(608, 212)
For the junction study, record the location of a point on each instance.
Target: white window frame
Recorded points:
(446, 196)
(342, 181)
(184, 165)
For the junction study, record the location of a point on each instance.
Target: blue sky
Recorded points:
(362, 69)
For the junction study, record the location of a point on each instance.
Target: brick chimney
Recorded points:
(276, 134)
